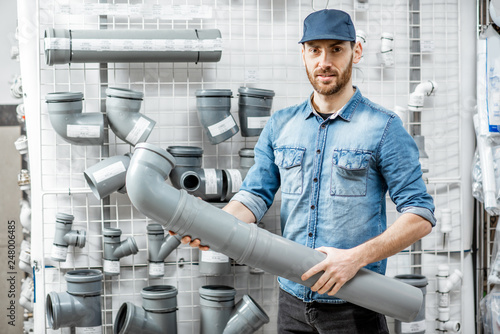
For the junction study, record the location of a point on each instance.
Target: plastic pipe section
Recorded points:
(418, 325)
(114, 250)
(219, 314)
(446, 283)
(157, 315)
(122, 111)
(386, 49)
(159, 247)
(65, 236)
(67, 119)
(416, 100)
(248, 244)
(233, 178)
(128, 46)
(254, 110)
(80, 305)
(108, 176)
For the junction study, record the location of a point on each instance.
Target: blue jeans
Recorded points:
(296, 316)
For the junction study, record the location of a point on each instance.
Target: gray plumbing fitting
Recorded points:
(185, 215)
(216, 306)
(233, 178)
(417, 326)
(80, 305)
(114, 250)
(65, 237)
(122, 111)
(159, 247)
(68, 121)
(157, 315)
(254, 110)
(108, 176)
(246, 318)
(64, 46)
(214, 114)
(206, 183)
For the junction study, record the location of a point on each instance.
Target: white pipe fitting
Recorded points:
(16, 89)
(21, 144)
(25, 214)
(387, 49)
(447, 282)
(23, 180)
(416, 100)
(445, 225)
(26, 298)
(444, 322)
(20, 113)
(25, 261)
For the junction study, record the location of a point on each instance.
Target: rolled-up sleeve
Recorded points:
(263, 179)
(398, 161)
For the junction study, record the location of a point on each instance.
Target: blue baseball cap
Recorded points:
(328, 24)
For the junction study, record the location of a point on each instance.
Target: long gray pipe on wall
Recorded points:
(68, 121)
(122, 111)
(159, 247)
(80, 305)
(108, 175)
(248, 244)
(114, 250)
(64, 46)
(64, 236)
(157, 315)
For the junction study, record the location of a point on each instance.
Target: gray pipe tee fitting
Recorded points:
(214, 114)
(157, 315)
(122, 110)
(131, 46)
(248, 244)
(108, 176)
(80, 306)
(65, 237)
(68, 121)
(114, 250)
(159, 247)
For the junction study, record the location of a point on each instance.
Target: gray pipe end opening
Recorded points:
(124, 93)
(92, 186)
(190, 181)
(256, 308)
(217, 292)
(155, 229)
(51, 303)
(111, 232)
(64, 218)
(186, 156)
(132, 245)
(124, 317)
(55, 55)
(84, 281)
(162, 153)
(159, 298)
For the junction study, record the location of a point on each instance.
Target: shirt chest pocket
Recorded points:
(289, 161)
(349, 172)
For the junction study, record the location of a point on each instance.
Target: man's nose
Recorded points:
(325, 61)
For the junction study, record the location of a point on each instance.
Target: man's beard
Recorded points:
(334, 87)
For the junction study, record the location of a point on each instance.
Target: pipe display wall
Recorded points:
(157, 315)
(67, 119)
(64, 46)
(159, 247)
(80, 305)
(248, 244)
(65, 237)
(114, 250)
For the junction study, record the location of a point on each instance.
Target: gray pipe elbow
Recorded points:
(108, 176)
(68, 121)
(122, 111)
(80, 306)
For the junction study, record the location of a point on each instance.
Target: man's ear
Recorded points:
(357, 52)
(303, 54)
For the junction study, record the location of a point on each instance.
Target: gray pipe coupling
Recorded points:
(206, 183)
(159, 247)
(114, 250)
(122, 111)
(65, 237)
(247, 244)
(80, 305)
(157, 315)
(67, 119)
(254, 110)
(131, 46)
(108, 176)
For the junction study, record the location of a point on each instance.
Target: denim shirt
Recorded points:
(334, 175)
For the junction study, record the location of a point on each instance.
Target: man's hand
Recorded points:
(339, 267)
(193, 243)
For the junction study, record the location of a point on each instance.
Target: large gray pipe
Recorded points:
(64, 46)
(248, 244)
(67, 119)
(157, 315)
(114, 250)
(65, 236)
(122, 111)
(80, 306)
(159, 247)
(108, 176)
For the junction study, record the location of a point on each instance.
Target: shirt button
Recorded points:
(315, 179)
(310, 234)
(318, 151)
(323, 126)
(313, 207)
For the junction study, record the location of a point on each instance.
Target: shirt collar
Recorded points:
(345, 112)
